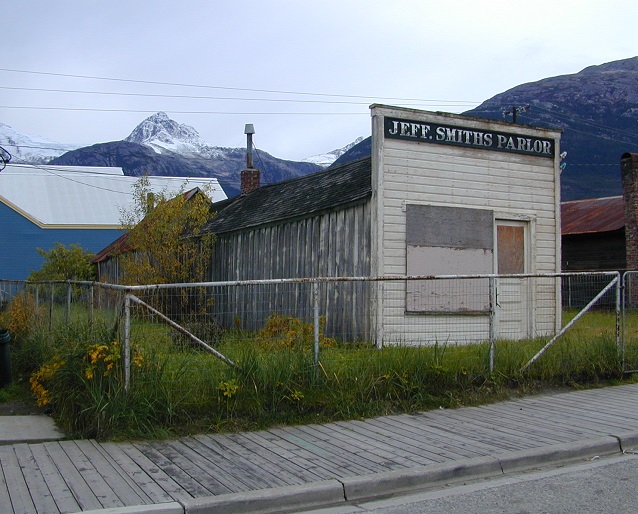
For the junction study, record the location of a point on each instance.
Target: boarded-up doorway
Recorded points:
(512, 316)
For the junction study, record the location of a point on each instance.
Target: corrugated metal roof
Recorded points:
(82, 196)
(593, 215)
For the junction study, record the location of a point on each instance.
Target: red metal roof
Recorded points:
(593, 215)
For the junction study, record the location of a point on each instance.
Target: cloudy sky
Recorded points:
(304, 73)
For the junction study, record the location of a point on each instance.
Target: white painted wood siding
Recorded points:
(517, 187)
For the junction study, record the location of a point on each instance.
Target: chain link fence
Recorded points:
(198, 322)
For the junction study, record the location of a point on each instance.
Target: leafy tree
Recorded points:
(165, 241)
(65, 263)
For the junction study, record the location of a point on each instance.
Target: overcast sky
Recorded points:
(303, 72)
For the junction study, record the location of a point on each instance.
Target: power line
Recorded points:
(146, 111)
(194, 97)
(225, 88)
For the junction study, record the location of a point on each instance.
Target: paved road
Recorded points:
(600, 486)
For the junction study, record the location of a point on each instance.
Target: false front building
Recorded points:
(442, 195)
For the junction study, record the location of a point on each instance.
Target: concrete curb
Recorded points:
(628, 442)
(160, 508)
(587, 448)
(280, 499)
(400, 481)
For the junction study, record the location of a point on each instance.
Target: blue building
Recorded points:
(43, 205)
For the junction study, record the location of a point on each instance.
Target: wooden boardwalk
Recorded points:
(72, 476)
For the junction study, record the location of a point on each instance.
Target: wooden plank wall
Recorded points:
(330, 244)
(514, 187)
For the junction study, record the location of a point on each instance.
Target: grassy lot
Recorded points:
(76, 371)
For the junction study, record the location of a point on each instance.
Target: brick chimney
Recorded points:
(249, 180)
(249, 176)
(629, 173)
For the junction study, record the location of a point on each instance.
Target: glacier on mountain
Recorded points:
(31, 149)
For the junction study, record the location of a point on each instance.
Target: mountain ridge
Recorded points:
(597, 110)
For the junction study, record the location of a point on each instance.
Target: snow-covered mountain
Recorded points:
(31, 149)
(163, 134)
(326, 159)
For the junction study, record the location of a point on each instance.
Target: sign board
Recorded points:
(396, 128)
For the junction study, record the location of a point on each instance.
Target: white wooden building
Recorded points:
(455, 195)
(442, 194)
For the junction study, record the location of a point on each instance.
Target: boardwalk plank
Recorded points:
(582, 416)
(413, 440)
(373, 430)
(82, 493)
(178, 469)
(235, 467)
(272, 454)
(525, 414)
(283, 449)
(360, 452)
(170, 486)
(488, 431)
(153, 491)
(313, 449)
(63, 496)
(94, 479)
(38, 490)
(277, 475)
(119, 484)
(5, 499)
(429, 434)
(516, 428)
(367, 449)
(18, 491)
(206, 471)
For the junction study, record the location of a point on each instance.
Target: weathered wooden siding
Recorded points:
(601, 251)
(515, 187)
(330, 244)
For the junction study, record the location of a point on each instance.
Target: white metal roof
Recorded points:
(82, 196)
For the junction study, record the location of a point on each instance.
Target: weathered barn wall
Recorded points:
(601, 251)
(331, 244)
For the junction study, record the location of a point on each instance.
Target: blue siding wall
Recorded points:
(19, 239)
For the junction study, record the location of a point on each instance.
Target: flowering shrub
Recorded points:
(289, 332)
(20, 315)
(40, 380)
(101, 358)
(84, 387)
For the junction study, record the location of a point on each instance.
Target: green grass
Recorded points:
(178, 389)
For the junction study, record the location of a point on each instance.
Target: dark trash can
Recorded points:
(5, 357)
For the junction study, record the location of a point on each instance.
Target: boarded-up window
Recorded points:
(448, 241)
(511, 249)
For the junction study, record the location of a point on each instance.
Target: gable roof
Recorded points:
(81, 196)
(121, 244)
(592, 215)
(296, 198)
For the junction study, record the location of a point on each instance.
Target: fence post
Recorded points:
(619, 348)
(315, 301)
(68, 303)
(51, 306)
(492, 324)
(127, 342)
(91, 295)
